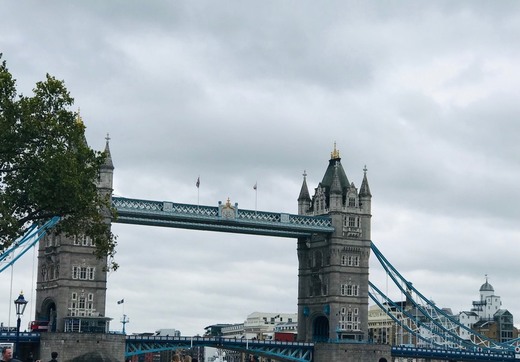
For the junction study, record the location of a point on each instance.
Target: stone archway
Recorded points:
(382, 359)
(320, 330)
(48, 313)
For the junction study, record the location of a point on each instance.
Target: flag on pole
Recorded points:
(198, 182)
(255, 186)
(121, 301)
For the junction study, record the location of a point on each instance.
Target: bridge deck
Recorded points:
(225, 218)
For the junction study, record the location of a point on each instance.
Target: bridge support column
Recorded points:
(349, 352)
(83, 347)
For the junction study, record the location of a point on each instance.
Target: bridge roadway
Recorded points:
(224, 217)
(281, 351)
(142, 344)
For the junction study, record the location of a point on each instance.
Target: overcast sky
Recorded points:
(425, 94)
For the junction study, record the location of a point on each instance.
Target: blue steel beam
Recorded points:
(281, 351)
(452, 354)
(225, 218)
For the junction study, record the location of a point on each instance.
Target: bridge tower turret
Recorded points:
(72, 282)
(304, 200)
(333, 268)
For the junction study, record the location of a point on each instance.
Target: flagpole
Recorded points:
(256, 195)
(198, 191)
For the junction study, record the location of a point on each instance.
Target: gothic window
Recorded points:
(350, 290)
(82, 240)
(353, 260)
(83, 273)
(350, 260)
(351, 201)
(351, 221)
(81, 304)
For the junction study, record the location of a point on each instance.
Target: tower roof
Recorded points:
(108, 160)
(486, 287)
(335, 188)
(335, 161)
(364, 190)
(304, 192)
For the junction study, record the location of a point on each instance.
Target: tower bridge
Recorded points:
(333, 232)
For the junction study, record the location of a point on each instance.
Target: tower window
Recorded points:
(350, 290)
(350, 260)
(83, 273)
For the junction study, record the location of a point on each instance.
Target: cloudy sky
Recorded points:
(425, 94)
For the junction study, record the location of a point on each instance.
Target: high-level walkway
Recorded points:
(224, 217)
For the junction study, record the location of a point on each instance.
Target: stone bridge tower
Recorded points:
(72, 282)
(333, 269)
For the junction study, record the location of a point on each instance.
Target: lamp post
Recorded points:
(20, 305)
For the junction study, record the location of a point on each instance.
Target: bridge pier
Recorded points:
(352, 352)
(83, 347)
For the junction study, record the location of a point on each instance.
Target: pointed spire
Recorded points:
(364, 190)
(108, 160)
(304, 192)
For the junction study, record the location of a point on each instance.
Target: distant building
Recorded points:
(214, 330)
(382, 329)
(233, 330)
(261, 325)
(488, 318)
(258, 325)
(172, 332)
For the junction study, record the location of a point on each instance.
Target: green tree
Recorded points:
(47, 168)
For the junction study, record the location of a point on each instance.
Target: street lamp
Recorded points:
(20, 305)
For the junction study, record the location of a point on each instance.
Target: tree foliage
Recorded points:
(47, 168)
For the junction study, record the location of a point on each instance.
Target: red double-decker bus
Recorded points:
(39, 326)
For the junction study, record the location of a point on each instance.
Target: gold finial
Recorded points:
(228, 202)
(335, 153)
(79, 120)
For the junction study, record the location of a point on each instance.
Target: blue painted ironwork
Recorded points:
(452, 354)
(281, 351)
(24, 337)
(212, 218)
(23, 244)
(437, 321)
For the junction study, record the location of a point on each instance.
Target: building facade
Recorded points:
(488, 318)
(333, 269)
